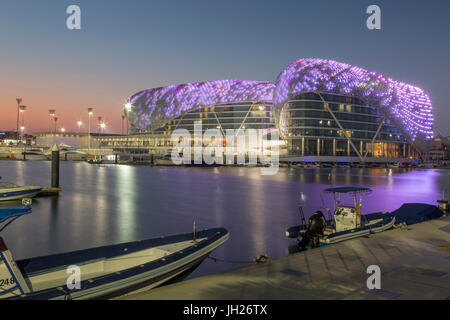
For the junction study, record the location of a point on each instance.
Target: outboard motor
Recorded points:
(316, 227)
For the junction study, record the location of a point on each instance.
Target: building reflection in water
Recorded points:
(126, 195)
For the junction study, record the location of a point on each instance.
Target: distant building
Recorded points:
(78, 140)
(439, 150)
(10, 138)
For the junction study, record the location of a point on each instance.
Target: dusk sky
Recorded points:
(127, 46)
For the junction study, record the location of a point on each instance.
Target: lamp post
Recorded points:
(52, 116)
(22, 111)
(22, 129)
(90, 112)
(79, 125)
(19, 101)
(99, 123)
(123, 118)
(55, 119)
(126, 111)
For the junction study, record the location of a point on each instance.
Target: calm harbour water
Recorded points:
(102, 205)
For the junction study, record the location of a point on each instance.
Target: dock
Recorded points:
(49, 191)
(414, 262)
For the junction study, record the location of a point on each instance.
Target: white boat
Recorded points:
(73, 155)
(34, 155)
(106, 272)
(347, 222)
(10, 191)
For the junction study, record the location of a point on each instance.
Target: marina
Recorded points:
(110, 204)
(220, 151)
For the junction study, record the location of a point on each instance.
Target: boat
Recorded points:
(347, 221)
(34, 154)
(109, 271)
(10, 191)
(14, 213)
(73, 155)
(95, 160)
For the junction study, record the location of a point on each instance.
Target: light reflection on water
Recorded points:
(103, 205)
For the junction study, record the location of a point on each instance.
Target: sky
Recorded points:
(125, 46)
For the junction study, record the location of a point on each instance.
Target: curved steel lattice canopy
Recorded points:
(406, 106)
(152, 109)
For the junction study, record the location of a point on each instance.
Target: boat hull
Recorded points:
(20, 193)
(141, 277)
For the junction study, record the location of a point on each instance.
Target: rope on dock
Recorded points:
(259, 259)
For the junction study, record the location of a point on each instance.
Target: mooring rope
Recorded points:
(258, 259)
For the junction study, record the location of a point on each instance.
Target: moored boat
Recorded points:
(109, 271)
(10, 191)
(347, 221)
(35, 155)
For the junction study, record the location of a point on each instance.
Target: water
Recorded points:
(102, 205)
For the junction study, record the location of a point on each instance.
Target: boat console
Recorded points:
(346, 218)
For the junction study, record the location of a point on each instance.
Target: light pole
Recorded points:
(22, 128)
(90, 112)
(79, 125)
(126, 111)
(55, 119)
(19, 101)
(22, 111)
(123, 118)
(52, 116)
(99, 124)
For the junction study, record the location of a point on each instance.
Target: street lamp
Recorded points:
(79, 125)
(63, 130)
(55, 119)
(128, 107)
(52, 116)
(123, 118)
(90, 112)
(102, 126)
(100, 119)
(22, 111)
(19, 101)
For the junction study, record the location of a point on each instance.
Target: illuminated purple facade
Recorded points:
(153, 108)
(405, 106)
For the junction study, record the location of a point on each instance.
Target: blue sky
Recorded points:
(126, 46)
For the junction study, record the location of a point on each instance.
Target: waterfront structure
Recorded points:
(439, 152)
(330, 111)
(223, 104)
(78, 140)
(324, 111)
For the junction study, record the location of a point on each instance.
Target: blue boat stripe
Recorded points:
(10, 271)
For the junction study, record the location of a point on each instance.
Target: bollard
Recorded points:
(24, 156)
(115, 158)
(55, 167)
